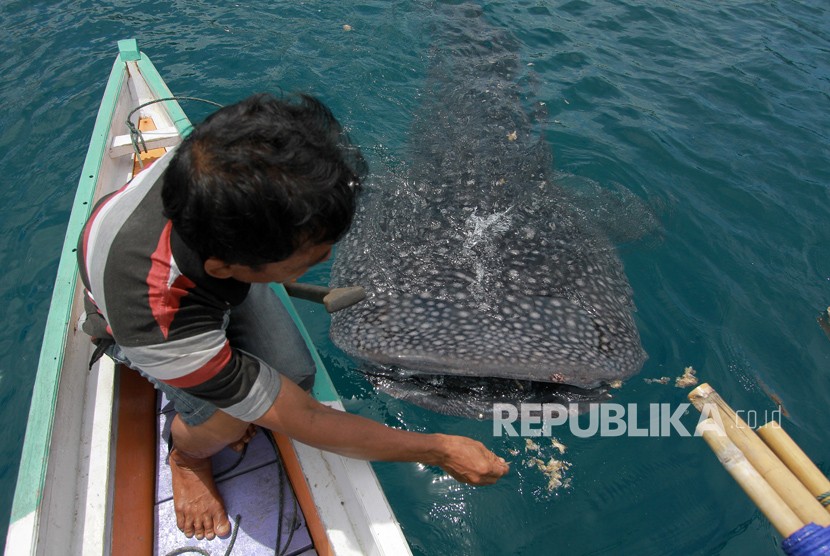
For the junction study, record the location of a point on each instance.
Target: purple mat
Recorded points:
(252, 490)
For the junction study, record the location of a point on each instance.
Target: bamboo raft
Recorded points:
(782, 481)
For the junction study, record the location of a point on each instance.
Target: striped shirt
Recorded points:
(148, 291)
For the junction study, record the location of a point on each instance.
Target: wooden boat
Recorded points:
(87, 479)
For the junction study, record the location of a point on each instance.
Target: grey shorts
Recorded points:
(260, 326)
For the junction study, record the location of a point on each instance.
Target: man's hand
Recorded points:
(469, 461)
(303, 418)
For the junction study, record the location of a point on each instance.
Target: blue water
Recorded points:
(716, 116)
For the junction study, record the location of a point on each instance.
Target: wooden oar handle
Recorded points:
(333, 299)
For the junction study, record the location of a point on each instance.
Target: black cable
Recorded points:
(135, 134)
(202, 551)
(239, 459)
(295, 522)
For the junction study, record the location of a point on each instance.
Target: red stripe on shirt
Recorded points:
(92, 217)
(206, 371)
(164, 297)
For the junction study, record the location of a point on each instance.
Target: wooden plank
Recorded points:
(135, 466)
(303, 495)
(165, 137)
(98, 446)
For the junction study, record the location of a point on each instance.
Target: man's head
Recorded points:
(263, 180)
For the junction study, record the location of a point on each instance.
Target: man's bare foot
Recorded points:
(200, 510)
(240, 444)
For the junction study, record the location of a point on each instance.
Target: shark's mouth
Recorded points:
(474, 397)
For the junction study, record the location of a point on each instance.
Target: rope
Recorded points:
(135, 134)
(187, 549)
(295, 522)
(233, 535)
(202, 551)
(824, 499)
(235, 464)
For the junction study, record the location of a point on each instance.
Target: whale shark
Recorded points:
(484, 281)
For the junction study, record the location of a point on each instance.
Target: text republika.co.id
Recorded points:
(613, 419)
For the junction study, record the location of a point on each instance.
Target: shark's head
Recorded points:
(508, 296)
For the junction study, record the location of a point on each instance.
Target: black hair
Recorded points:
(260, 178)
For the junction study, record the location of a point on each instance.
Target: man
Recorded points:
(176, 271)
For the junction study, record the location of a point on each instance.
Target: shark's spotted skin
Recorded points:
(475, 263)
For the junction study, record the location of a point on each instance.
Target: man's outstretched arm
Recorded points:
(296, 414)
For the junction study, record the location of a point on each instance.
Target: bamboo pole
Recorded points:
(796, 460)
(787, 485)
(759, 490)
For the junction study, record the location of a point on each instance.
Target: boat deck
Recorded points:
(255, 487)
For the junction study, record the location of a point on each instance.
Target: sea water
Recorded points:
(715, 115)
